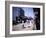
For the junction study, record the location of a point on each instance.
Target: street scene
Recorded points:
(25, 19)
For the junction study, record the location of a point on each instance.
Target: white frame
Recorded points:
(32, 31)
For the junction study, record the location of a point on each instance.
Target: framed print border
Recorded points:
(7, 18)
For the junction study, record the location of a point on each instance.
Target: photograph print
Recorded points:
(25, 18)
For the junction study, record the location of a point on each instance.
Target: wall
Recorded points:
(2, 19)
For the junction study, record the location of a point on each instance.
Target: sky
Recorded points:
(29, 12)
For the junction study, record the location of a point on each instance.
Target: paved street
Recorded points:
(19, 27)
